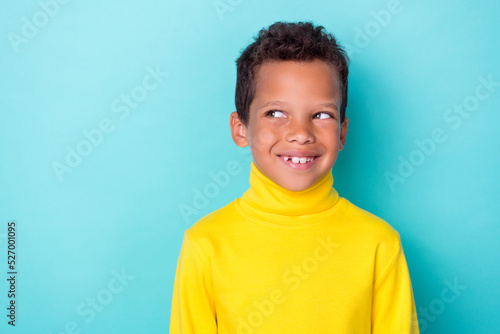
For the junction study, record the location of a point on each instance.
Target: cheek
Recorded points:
(264, 137)
(329, 135)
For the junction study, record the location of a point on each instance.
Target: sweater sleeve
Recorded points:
(193, 309)
(393, 309)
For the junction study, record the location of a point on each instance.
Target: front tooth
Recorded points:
(303, 160)
(295, 160)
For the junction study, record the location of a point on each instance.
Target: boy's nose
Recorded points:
(300, 132)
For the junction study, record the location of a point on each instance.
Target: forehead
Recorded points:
(315, 79)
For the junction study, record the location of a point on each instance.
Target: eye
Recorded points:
(323, 115)
(275, 113)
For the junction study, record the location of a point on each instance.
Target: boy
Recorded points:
(290, 255)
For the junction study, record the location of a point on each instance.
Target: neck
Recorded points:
(267, 197)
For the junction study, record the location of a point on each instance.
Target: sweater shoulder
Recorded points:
(374, 234)
(217, 220)
(369, 225)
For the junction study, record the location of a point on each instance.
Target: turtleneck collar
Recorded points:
(267, 200)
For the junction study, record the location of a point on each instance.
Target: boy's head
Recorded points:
(291, 95)
(288, 41)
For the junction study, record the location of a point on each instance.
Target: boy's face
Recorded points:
(294, 130)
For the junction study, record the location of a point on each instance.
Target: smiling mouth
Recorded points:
(297, 160)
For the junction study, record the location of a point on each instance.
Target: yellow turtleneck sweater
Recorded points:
(278, 261)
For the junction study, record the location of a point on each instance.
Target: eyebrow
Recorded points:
(279, 103)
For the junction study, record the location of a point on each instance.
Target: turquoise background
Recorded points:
(118, 213)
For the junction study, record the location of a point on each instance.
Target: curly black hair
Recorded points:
(300, 41)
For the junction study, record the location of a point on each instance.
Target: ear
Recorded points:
(238, 130)
(343, 132)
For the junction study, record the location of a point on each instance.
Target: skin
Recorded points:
(295, 112)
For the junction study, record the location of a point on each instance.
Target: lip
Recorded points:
(300, 153)
(299, 166)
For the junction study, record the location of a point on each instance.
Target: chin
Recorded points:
(297, 187)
